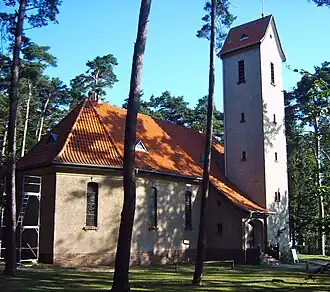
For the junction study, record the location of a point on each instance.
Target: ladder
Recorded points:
(21, 214)
(2, 211)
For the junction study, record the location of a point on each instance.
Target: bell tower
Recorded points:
(255, 142)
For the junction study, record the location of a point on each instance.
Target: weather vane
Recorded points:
(262, 7)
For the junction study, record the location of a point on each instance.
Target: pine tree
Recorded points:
(216, 17)
(120, 278)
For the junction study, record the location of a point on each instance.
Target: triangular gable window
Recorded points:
(52, 139)
(244, 37)
(139, 146)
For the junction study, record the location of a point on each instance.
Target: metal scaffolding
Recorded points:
(28, 221)
(2, 201)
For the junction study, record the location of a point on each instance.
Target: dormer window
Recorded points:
(244, 37)
(139, 146)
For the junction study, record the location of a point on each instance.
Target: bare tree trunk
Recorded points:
(42, 119)
(4, 141)
(96, 93)
(26, 122)
(120, 279)
(10, 205)
(322, 235)
(197, 280)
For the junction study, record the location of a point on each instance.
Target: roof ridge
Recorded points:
(248, 23)
(83, 103)
(107, 133)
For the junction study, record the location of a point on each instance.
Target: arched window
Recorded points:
(188, 211)
(92, 204)
(152, 208)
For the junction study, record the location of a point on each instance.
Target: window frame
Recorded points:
(188, 210)
(272, 73)
(278, 196)
(152, 214)
(242, 118)
(241, 71)
(274, 119)
(243, 158)
(92, 217)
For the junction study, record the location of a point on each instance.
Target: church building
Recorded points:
(71, 182)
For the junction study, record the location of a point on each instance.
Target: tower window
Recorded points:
(241, 72)
(92, 204)
(272, 73)
(219, 229)
(243, 156)
(187, 209)
(152, 209)
(278, 196)
(242, 118)
(274, 119)
(275, 156)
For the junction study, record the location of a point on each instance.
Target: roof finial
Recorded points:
(262, 8)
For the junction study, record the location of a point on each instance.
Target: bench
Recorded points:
(315, 263)
(230, 262)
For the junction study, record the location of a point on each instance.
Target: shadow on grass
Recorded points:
(166, 279)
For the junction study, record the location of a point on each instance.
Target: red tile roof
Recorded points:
(93, 134)
(254, 30)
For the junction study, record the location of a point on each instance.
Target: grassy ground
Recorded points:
(311, 257)
(164, 278)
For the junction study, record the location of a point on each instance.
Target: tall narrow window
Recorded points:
(241, 72)
(92, 204)
(219, 229)
(278, 196)
(188, 213)
(275, 156)
(152, 209)
(243, 156)
(274, 119)
(242, 118)
(272, 73)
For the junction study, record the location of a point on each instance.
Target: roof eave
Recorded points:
(221, 55)
(62, 163)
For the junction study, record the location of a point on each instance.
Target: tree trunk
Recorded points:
(120, 279)
(42, 119)
(322, 235)
(10, 205)
(26, 122)
(4, 141)
(197, 280)
(96, 93)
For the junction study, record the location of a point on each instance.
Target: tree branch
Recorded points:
(31, 8)
(326, 154)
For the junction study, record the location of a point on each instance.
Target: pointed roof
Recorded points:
(249, 34)
(92, 134)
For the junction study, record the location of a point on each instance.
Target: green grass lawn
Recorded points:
(164, 278)
(311, 257)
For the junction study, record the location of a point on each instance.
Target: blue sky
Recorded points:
(175, 59)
